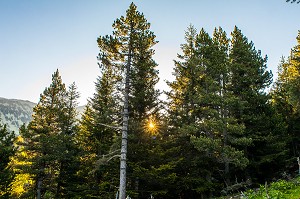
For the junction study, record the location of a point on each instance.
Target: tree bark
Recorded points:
(122, 188)
(40, 181)
(39, 188)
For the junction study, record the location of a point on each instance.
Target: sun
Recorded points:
(151, 126)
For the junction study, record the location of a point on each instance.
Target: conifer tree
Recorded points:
(293, 1)
(250, 81)
(285, 95)
(221, 133)
(184, 111)
(294, 70)
(68, 157)
(129, 51)
(48, 139)
(7, 151)
(201, 108)
(97, 137)
(23, 183)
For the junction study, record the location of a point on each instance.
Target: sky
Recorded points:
(39, 36)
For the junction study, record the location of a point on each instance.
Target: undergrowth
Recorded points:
(281, 189)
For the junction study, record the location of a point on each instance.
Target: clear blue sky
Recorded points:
(39, 36)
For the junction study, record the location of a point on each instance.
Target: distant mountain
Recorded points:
(15, 112)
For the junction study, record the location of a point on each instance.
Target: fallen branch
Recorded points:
(236, 187)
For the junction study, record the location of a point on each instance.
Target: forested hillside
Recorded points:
(15, 112)
(218, 132)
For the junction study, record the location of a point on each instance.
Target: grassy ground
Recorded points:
(281, 189)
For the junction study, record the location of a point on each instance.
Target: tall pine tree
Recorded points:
(48, 139)
(285, 98)
(97, 138)
(220, 131)
(129, 51)
(250, 79)
(200, 112)
(192, 168)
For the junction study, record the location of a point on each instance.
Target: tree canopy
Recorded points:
(218, 132)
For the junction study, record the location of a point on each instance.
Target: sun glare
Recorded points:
(151, 125)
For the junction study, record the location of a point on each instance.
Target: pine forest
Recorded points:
(224, 127)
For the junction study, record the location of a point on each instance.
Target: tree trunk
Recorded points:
(40, 181)
(122, 188)
(39, 188)
(209, 192)
(58, 187)
(227, 176)
(224, 117)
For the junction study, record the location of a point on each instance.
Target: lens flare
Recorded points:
(151, 126)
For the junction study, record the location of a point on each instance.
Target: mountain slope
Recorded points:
(15, 112)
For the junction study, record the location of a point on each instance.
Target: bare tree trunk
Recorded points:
(39, 188)
(122, 188)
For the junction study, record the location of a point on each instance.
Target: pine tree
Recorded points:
(97, 138)
(7, 151)
(293, 1)
(48, 138)
(68, 157)
(221, 133)
(250, 81)
(44, 129)
(23, 184)
(184, 111)
(285, 96)
(201, 109)
(129, 51)
(294, 70)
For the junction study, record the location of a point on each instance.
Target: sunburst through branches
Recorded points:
(151, 126)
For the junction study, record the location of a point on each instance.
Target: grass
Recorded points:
(280, 189)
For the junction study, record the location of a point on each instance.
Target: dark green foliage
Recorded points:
(220, 128)
(7, 151)
(293, 1)
(250, 81)
(130, 45)
(201, 101)
(219, 104)
(185, 110)
(49, 141)
(68, 159)
(99, 127)
(285, 98)
(97, 140)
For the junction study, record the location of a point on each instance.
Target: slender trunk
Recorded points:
(227, 177)
(137, 181)
(40, 181)
(122, 188)
(209, 192)
(59, 184)
(39, 188)
(224, 116)
(124, 142)
(226, 163)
